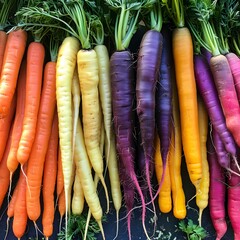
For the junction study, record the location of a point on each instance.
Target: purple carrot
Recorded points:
(148, 63)
(224, 159)
(234, 63)
(206, 54)
(122, 87)
(164, 98)
(208, 91)
(233, 201)
(217, 191)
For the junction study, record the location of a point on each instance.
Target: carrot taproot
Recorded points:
(217, 192)
(20, 217)
(61, 207)
(39, 148)
(78, 196)
(183, 60)
(12, 161)
(105, 91)
(203, 190)
(89, 80)
(175, 161)
(76, 103)
(4, 172)
(35, 61)
(5, 126)
(164, 197)
(13, 55)
(84, 170)
(49, 179)
(66, 62)
(60, 180)
(113, 172)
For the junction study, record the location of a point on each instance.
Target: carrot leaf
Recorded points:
(192, 230)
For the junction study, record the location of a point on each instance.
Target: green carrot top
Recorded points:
(175, 10)
(127, 17)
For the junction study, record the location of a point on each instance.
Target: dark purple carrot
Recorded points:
(233, 201)
(217, 192)
(234, 63)
(148, 64)
(208, 91)
(206, 54)
(164, 98)
(122, 84)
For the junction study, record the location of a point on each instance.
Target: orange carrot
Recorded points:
(61, 207)
(5, 125)
(40, 144)
(35, 60)
(14, 51)
(49, 180)
(20, 211)
(12, 162)
(3, 41)
(4, 172)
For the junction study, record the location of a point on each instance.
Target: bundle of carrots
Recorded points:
(76, 105)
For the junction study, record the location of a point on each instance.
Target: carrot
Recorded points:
(233, 201)
(78, 196)
(113, 171)
(4, 172)
(76, 103)
(184, 71)
(89, 80)
(84, 170)
(61, 207)
(3, 41)
(183, 59)
(40, 145)
(66, 62)
(217, 192)
(6, 7)
(49, 179)
(5, 125)
(20, 210)
(35, 61)
(60, 180)
(164, 198)
(175, 160)
(12, 161)
(13, 55)
(202, 192)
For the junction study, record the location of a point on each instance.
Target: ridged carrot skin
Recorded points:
(12, 161)
(66, 63)
(13, 55)
(40, 145)
(187, 95)
(35, 61)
